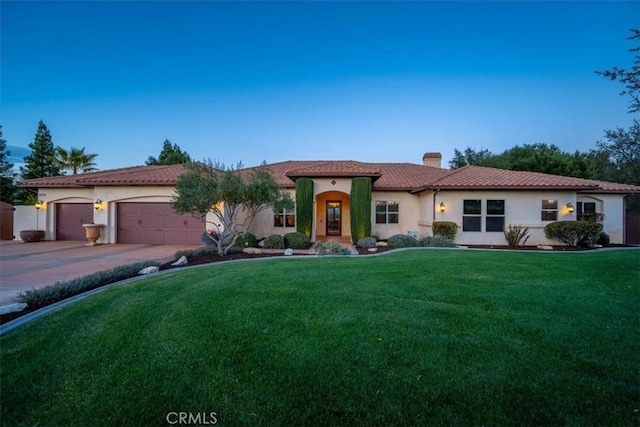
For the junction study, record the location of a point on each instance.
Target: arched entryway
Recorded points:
(332, 213)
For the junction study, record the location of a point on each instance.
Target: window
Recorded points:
(495, 215)
(586, 211)
(472, 215)
(387, 212)
(549, 210)
(286, 218)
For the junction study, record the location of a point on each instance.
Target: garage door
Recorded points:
(69, 220)
(156, 223)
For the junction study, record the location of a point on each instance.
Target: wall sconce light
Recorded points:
(442, 207)
(97, 204)
(39, 204)
(570, 208)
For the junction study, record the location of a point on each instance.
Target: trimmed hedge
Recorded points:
(42, 297)
(304, 206)
(401, 241)
(447, 229)
(360, 208)
(574, 233)
(274, 241)
(437, 242)
(297, 240)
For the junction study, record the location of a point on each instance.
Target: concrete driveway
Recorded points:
(25, 266)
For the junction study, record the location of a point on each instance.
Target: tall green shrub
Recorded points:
(360, 208)
(304, 206)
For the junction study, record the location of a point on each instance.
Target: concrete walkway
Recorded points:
(24, 266)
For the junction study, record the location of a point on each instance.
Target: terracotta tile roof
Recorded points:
(386, 177)
(477, 177)
(136, 175)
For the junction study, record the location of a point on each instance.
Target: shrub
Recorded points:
(246, 240)
(38, 298)
(296, 240)
(516, 235)
(437, 242)
(195, 253)
(446, 229)
(330, 248)
(274, 241)
(574, 233)
(401, 241)
(604, 239)
(367, 242)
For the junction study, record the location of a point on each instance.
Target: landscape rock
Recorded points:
(288, 252)
(545, 247)
(181, 261)
(12, 308)
(373, 249)
(149, 270)
(252, 251)
(381, 244)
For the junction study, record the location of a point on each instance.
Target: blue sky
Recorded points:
(274, 81)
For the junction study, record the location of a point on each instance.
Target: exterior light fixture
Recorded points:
(442, 207)
(97, 204)
(39, 204)
(570, 208)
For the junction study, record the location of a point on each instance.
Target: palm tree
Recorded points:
(75, 160)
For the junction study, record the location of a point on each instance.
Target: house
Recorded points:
(134, 204)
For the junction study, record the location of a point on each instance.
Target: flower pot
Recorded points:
(31, 235)
(92, 233)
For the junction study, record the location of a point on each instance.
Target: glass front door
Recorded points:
(334, 218)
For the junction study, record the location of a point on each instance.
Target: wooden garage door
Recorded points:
(156, 223)
(69, 220)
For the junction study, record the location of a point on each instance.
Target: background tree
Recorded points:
(469, 156)
(631, 78)
(620, 152)
(75, 160)
(233, 197)
(40, 163)
(7, 186)
(538, 157)
(170, 155)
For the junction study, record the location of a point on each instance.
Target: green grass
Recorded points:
(419, 337)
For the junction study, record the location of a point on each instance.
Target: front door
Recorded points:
(334, 218)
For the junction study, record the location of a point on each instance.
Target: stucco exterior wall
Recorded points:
(262, 225)
(107, 214)
(521, 208)
(27, 218)
(409, 209)
(612, 206)
(416, 211)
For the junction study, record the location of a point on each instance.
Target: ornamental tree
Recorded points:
(226, 200)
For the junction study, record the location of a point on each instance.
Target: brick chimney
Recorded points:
(433, 160)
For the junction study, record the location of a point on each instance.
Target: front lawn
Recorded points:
(417, 337)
